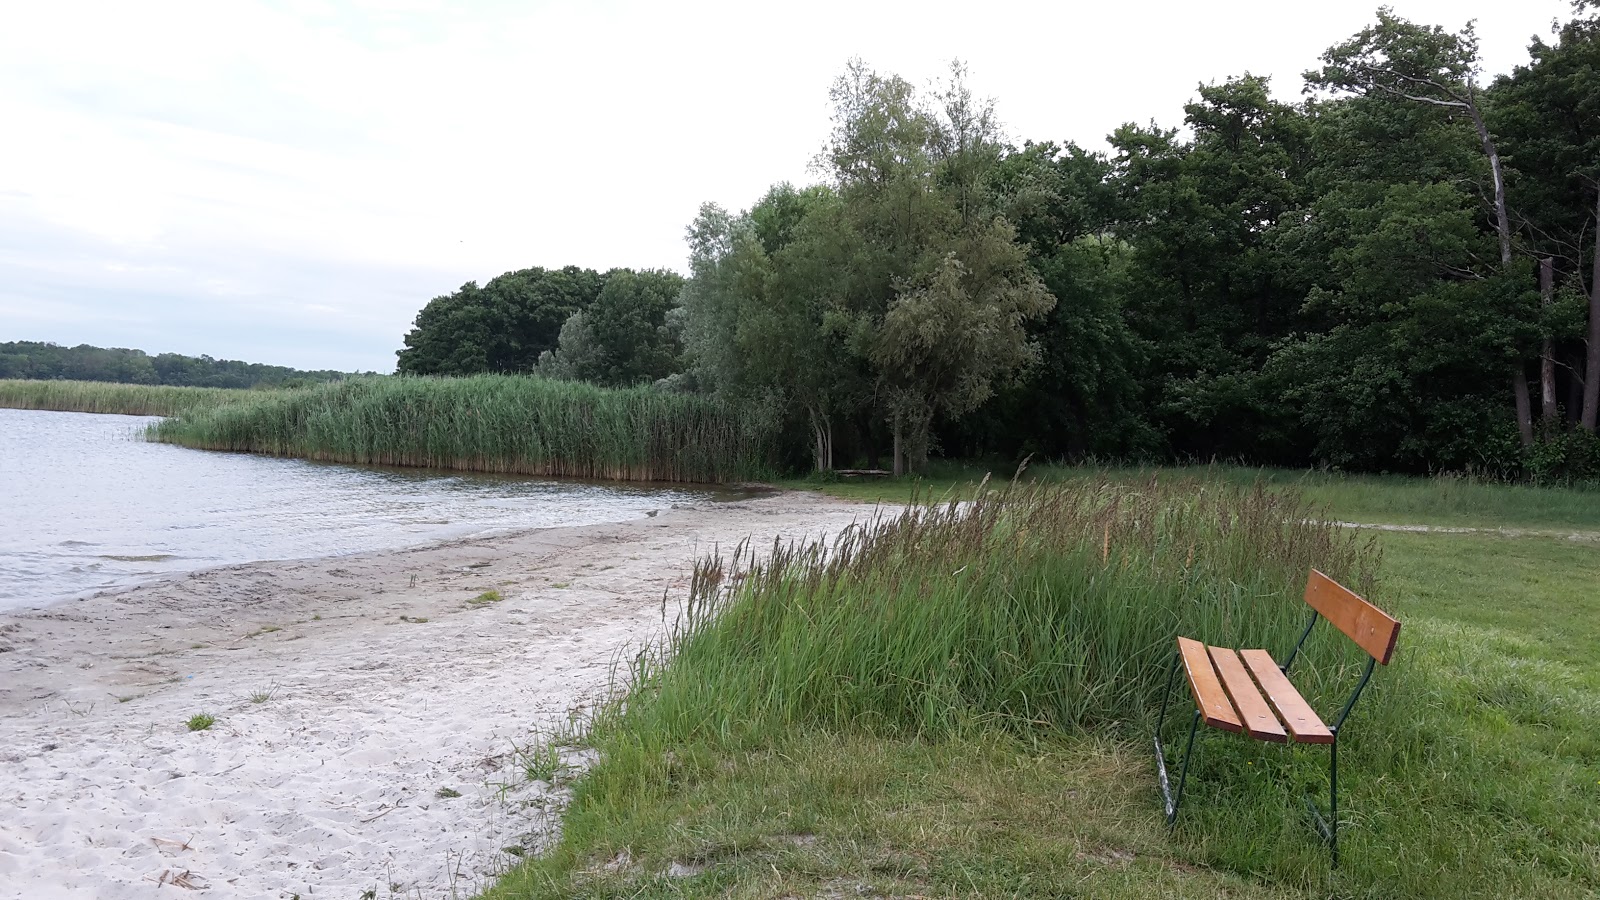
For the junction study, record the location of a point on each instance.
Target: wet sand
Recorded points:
(348, 693)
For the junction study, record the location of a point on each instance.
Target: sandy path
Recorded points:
(330, 787)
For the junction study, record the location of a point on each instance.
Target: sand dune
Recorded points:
(344, 721)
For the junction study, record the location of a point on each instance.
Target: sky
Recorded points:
(289, 182)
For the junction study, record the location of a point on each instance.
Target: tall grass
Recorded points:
(490, 423)
(1045, 605)
(108, 397)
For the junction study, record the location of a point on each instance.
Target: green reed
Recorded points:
(1042, 606)
(109, 397)
(491, 423)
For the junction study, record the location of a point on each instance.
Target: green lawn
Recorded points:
(1393, 499)
(1470, 769)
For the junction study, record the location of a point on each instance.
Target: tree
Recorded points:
(1548, 114)
(1211, 288)
(1400, 61)
(500, 327)
(627, 336)
(761, 324)
(936, 292)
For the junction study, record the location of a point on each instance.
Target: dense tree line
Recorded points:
(44, 361)
(617, 329)
(1398, 271)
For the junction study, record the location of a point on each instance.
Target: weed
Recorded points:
(540, 761)
(445, 793)
(201, 721)
(264, 696)
(486, 598)
(418, 620)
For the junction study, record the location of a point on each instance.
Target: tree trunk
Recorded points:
(1502, 222)
(899, 459)
(1502, 227)
(1574, 365)
(822, 431)
(1547, 358)
(1591, 372)
(1519, 385)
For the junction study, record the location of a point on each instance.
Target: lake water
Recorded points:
(86, 504)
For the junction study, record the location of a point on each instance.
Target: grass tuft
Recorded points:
(201, 721)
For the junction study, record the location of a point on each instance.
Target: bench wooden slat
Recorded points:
(1254, 713)
(1302, 721)
(1212, 701)
(1370, 627)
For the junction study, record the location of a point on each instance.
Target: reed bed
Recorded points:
(1043, 606)
(109, 397)
(491, 423)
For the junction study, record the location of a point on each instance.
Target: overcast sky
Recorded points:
(289, 182)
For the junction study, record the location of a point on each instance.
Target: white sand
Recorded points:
(328, 788)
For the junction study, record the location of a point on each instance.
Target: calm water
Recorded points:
(85, 504)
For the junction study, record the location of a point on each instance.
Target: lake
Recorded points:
(87, 504)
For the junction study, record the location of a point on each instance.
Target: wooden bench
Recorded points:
(1245, 692)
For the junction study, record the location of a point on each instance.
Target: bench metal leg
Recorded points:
(1170, 799)
(1329, 827)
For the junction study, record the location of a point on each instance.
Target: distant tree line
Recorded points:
(44, 361)
(1396, 272)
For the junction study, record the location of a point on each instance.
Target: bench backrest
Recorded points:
(1371, 628)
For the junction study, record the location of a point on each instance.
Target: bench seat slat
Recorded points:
(1209, 697)
(1254, 713)
(1304, 725)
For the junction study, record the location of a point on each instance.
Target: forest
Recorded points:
(1394, 272)
(38, 361)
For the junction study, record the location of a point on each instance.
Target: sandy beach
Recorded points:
(352, 697)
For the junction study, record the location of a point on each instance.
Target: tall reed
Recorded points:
(491, 423)
(109, 397)
(1050, 605)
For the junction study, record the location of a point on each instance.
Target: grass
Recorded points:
(490, 423)
(1446, 500)
(122, 399)
(201, 721)
(803, 735)
(259, 697)
(486, 598)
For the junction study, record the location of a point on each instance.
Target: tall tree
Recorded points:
(500, 327)
(1405, 62)
(1548, 113)
(628, 336)
(938, 295)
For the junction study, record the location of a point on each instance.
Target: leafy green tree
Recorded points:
(937, 291)
(1399, 61)
(761, 319)
(500, 327)
(627, 336)
(1211, 289)
(1548, 116)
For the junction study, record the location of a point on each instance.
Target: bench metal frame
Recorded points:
(1327, 827)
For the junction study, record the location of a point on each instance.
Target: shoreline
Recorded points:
(348, 692)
